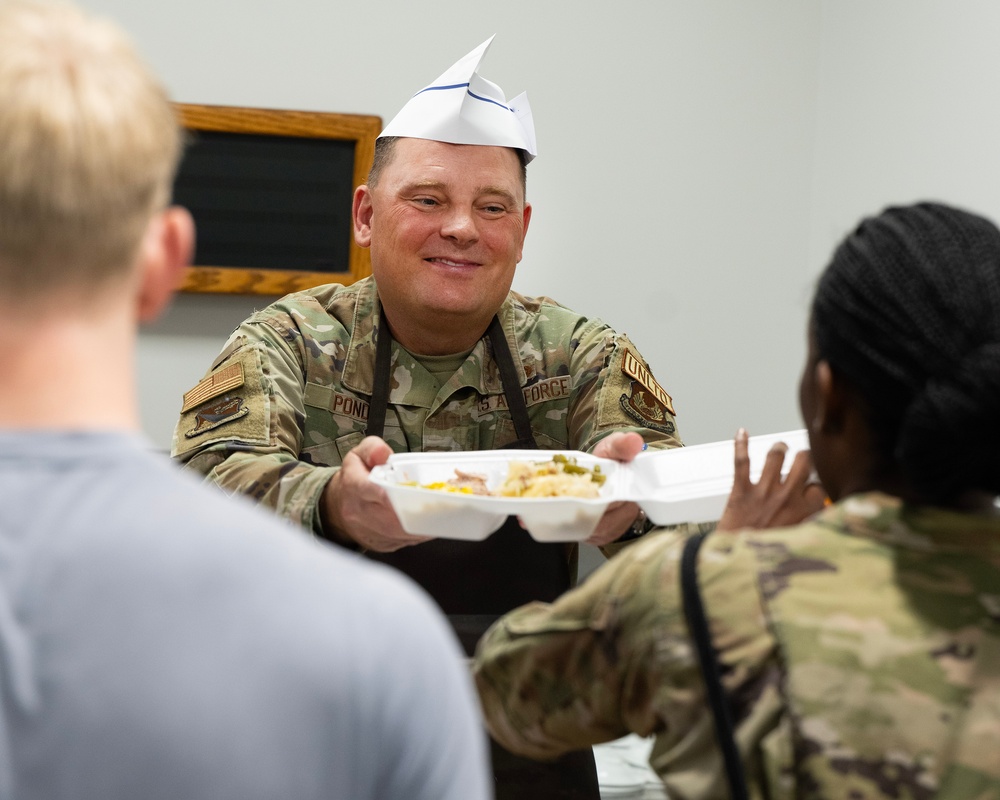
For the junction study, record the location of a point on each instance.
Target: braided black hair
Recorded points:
(909, 311)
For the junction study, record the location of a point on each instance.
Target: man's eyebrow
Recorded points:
(423, 184)
(497, 190)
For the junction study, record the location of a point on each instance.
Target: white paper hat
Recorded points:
(462, 107)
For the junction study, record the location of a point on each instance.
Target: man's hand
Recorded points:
(356, 511)
(772, 502)
(618, 516)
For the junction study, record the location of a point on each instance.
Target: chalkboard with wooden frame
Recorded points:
(271, 194)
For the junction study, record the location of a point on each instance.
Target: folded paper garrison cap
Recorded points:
(462, 107)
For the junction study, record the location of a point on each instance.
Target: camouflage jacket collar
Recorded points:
(479, 371)
(880, 516)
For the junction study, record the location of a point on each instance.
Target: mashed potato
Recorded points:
(560, 477)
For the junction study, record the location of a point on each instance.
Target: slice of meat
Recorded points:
(470, 481)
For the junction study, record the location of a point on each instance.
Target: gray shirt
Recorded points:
(159, 639)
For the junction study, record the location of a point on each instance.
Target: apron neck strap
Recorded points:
(508, 377)
(380, 381)
(511, 385)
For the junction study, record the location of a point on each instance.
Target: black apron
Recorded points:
(474, 583)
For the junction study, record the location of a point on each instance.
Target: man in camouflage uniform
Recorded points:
(288, 397)
(302, 403)
(283, 413)
(858, 651)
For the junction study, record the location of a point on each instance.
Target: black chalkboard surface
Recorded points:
(269, 202)
(271, 193)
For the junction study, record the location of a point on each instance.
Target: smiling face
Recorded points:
(445, 224)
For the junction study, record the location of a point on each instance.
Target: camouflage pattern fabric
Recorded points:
(287, 398)
(860, 651)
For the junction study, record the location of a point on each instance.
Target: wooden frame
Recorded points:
(361, 129)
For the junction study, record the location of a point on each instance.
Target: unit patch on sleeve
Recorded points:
(646, 401)
(217, 413)
(228, 404)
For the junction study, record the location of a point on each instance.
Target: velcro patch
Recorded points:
(642, 406)
(634, 368)
(219, 382)
(223, 410)
(236, 408)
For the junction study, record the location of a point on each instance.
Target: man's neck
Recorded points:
(69, 373)
(440, 338)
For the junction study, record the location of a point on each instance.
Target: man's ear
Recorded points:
(167, 249)
(361, 213)
(526, 218)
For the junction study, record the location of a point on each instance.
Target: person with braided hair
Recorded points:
(848, 652)
(919, 338)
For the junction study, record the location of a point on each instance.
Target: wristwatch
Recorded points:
(640, 526)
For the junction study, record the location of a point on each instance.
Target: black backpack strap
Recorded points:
(694, 613)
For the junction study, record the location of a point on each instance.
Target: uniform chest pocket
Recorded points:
(335, 423)
(330, 418)
(504, 435)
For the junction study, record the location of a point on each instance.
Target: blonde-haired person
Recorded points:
(157, 638)
(90, 145)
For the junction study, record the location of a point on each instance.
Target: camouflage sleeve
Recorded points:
(241, 426)
(619, 392)
(552, 677)
(614, 656)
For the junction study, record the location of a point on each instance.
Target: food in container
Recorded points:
(688, 484)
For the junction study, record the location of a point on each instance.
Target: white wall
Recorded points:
(697, 160)
(909, 109)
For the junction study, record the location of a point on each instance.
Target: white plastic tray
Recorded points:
(688, 484)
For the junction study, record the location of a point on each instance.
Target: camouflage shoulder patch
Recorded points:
(627, 394)
(642, 399)
(635, 369)
(211, 416)
(231, 399)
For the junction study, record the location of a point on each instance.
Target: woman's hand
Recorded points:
(773, 501)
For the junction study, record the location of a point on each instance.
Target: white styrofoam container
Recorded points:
(450, 515)
(623, 769)
(689, 484)
(692, 484)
